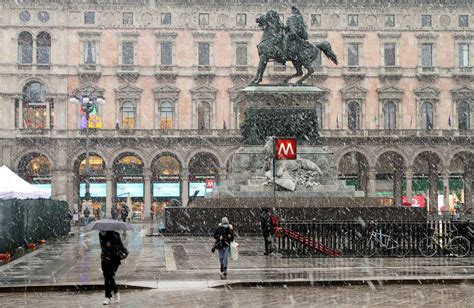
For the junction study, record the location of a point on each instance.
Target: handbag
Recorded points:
(121, 253)
(234, 251)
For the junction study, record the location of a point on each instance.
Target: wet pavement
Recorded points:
(458, 295)
(185, 262)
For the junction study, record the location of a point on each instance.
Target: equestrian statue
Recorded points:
(282, 43)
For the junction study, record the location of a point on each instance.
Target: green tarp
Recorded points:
(28, 221)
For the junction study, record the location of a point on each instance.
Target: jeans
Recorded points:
(109, 268)
(224, 257)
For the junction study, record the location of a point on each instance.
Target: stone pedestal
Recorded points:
(282, 111)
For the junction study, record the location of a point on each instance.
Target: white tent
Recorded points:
(12, 186)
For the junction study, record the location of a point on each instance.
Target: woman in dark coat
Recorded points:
(111, 246)
(224, 235)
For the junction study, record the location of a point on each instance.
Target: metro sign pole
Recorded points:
(283, 149)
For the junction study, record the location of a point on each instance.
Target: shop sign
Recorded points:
(132, 179)
(285, 148)
(201, 177)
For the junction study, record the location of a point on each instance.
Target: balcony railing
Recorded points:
(427, 72)
(227, 133)
(354, 71)
(464, 72)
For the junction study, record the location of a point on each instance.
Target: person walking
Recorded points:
(224, 235)
(124, 212)
(267, 229)
(87, 213)
(112, 247)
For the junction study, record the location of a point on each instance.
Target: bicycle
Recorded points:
(370, 245)
(459, 246)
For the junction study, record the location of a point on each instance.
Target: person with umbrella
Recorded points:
(113, 251)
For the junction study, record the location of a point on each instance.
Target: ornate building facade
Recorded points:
(397, 113)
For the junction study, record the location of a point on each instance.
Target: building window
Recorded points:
(128, 115)
(464, 115)
(353, 54)
(241, 20)
(43, 16)
(89, 18)
(166, 53)
(203, 54)
(353, 20)
(319, 115)
(203, 19)
(463, 55)
(316, 20)
(241, 54)
(427, 116)
(353, 116)
(89, 52)
(427, 55)
(25, 16)
(25, 48)
(204, 115)
(127, 53)
(463, 21)
(43, 48)
(389, 54)
(127, 18)
(166, 115)
(166, 19)
(426, 21)
(390, 115)
(36, 110)
(389, 20)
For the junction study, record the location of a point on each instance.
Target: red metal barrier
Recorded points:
(306, 241)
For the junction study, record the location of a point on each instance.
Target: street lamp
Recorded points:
(88, 103)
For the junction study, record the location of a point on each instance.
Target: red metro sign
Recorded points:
(285, 148)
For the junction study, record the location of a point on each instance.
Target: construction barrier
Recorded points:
(28, 221)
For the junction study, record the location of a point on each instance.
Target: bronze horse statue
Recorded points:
(272, 48)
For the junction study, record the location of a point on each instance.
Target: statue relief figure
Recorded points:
(288, 43)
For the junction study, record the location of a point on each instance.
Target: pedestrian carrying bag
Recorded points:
(234, 251)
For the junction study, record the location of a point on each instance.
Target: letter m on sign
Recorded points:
(285, 148)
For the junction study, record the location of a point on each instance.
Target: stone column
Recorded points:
(363, 180)
(222, 175)
(397, 186)
(110, 190)
(184, 186)
(446, 189)
(371, 183)
(148, 193)
(433, 180)
(59, 185)
(409, 178)
(467, 180)
(48, 115)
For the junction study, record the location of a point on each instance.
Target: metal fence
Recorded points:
(28, 221)
(348, 237)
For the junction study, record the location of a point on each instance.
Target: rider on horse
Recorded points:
(296, 34)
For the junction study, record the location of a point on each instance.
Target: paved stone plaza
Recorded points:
(356, 296)
(181, 271)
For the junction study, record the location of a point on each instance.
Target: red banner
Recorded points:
(285, 148)
(416, 201)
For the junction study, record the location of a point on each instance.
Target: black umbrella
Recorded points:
(109, 225)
